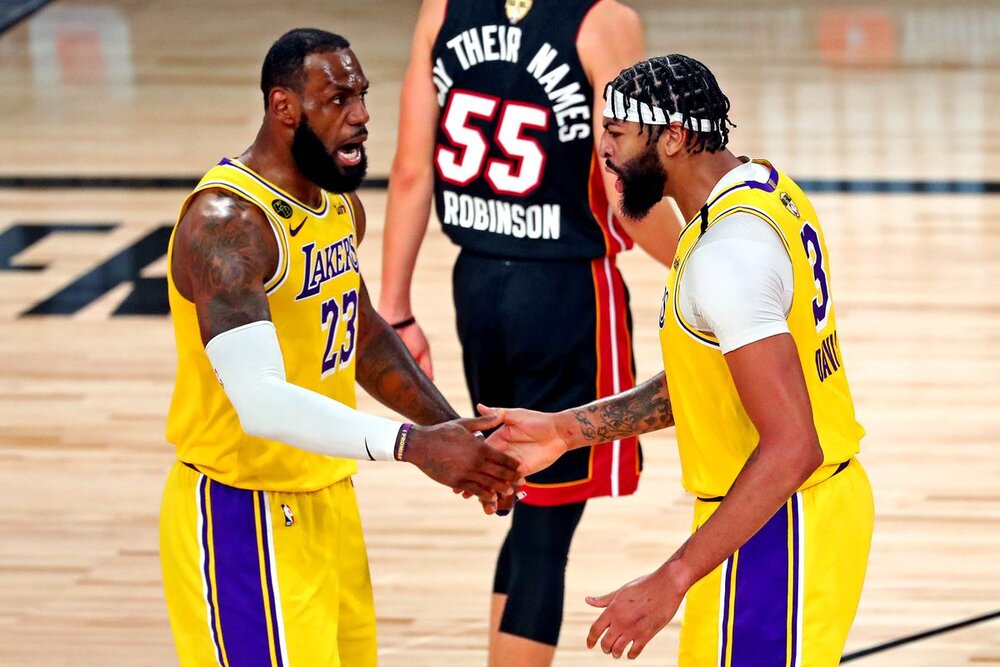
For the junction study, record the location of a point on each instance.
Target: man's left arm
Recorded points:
(743, 291)
(386, 369)
(787, 453)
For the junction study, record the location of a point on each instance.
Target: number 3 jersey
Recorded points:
(714, 434)
(313, 299)
(516, 174)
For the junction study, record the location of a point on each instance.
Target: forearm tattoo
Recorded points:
(640, 410)
(391, 376)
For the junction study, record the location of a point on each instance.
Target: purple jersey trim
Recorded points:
(237, 577)
(796, 574)
(208, 565)
(727, 593)
(226, 162)
(760, 624)
(271, 593)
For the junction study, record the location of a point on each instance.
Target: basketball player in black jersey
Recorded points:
(498, 124)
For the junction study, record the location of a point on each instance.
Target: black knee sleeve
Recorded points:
(531, 570)
(501, 578)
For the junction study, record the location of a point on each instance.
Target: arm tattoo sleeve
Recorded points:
(640, 410)
(228, 257)
(391, 376)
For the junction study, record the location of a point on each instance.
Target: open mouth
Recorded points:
(619, 186)
(349, 154)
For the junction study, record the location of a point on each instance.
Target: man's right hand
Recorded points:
(451, 454)
(535, 439)
(415, 341)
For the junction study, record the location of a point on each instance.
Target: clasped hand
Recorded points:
(634, 613)
(450, 453)
(530, 438)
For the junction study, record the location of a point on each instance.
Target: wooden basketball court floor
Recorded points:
(886, 113)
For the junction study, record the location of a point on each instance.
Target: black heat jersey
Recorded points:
(516, 174)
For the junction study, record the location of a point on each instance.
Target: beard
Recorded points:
(643, 179)
(320, 166)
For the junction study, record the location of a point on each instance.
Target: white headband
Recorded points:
(620, 107)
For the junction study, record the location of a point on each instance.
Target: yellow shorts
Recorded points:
(786, 598)
(268, 579)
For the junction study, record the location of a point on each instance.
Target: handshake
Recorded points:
(455, 454)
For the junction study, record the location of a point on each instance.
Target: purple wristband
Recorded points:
(401, 438)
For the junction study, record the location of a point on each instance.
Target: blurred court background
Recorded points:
(885, 112)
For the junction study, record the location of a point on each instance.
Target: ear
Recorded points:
(673, 140)
(284, 106)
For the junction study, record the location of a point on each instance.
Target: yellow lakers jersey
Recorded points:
(313, 298)
(714, 434)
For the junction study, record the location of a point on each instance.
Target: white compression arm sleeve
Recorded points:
(249, 364)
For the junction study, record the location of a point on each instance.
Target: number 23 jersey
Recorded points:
(313, 299)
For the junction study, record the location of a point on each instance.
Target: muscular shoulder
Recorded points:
(217, 204)
(217, 226)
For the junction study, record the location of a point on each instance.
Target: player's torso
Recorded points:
(313, 300)
(515, 169)
(714, 433)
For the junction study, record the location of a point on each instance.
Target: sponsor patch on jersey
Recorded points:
(282, 208)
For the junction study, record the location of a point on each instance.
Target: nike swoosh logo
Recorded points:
(366, 439)
(295, 230)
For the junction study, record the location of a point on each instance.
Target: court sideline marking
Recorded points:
(908, 639)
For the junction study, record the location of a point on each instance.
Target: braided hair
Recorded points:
(683, 85)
